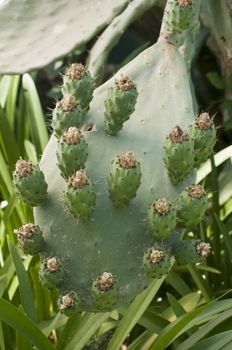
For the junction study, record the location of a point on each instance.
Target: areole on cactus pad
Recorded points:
(116, 220)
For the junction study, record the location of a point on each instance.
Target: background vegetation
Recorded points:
(192, 307)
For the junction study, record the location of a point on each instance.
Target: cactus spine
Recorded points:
(104, 291)
(30, 238)
(157, 262)
(52, 272)
(191, 251)
(69, 303)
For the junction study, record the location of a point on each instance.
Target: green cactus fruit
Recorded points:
(191, 251)
(72, 152)
(191, 206)
(204, 133)
(178, 155)
(79, 196)
(30, 238)
(69, 302)
(156, 262)
(179, 16)
(78, 81)
(104, 291)
(67, 113)
(161, 218)
(120, 104)
(124, 179)
(29, 183)
(52, 272)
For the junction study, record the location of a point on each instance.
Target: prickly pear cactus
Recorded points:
(115, 221)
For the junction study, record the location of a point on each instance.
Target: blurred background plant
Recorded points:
(192, 307)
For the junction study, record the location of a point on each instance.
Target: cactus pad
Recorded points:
(94, 224)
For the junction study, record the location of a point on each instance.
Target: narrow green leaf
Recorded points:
(204, 330)
(86, 331)
(223, 231)
(177, 283)
(133, 314)
(201, 283)
(31, 151)
(176, 306)
(216, 342)
(26, 294)
(16, 319)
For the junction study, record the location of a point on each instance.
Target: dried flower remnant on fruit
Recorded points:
(177, 135)
(105, 282)
(26, 231)
(156, 255)
(184, 3)
(76, 71)
(127, 160)
(204, 122)
(79, 180)
(52, 264)
(72, 136)
(124, 83)
(196, 191)
(23, 168)
(161, 206)
(68, 103)
(67, 301)
(203, 249)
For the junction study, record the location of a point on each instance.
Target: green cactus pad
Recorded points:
(156, 261)
(43, 31)
(105, 291)
(72, 152)
(191, 251)
(69, 303)
(161, 219)
(204, 133)
(52, 272)
(29, 183)
(114, 239)
(178, 155)
(79, 196)
(124, 179)
(67, 113)
(120, 104)
(191, 206)
(78, 81)
(30, 238)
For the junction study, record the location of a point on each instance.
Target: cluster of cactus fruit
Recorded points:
(99, 236)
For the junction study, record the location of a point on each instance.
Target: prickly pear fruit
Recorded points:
(78, 81)
(178, 155)
(67, 113)
(191, 206)
(124, 179)
(191, 251)
(30, 238)
(79, 196)
(52, 272)
(156, 262)
(29, 183)
(161, 218)
(104, 291)
(72, 152)
(69, 302)
(203, 132)
(120, 104)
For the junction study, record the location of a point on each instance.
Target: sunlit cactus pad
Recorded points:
(115, 221)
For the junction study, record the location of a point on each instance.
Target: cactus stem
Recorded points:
(204, 122)
(155, 255)
(177, 135)
(68, 103)
(203, 249)
(105, 282)
(127, 160)
(79, 179)
(23, 168)
(72, 136)
(196, 191)
(161, 206)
